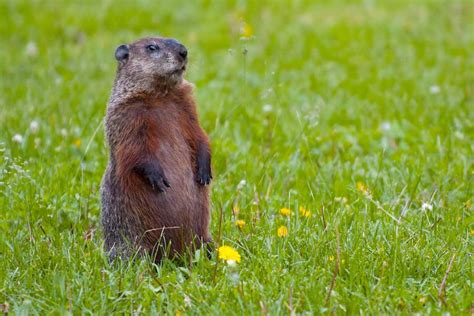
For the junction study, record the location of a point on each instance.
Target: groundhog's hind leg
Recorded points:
(202, 229)
(210, 247)
(115, 244)
(113, 225)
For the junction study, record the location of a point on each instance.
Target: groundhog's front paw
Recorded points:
(158, 182)
(204, 176)
(154, 175)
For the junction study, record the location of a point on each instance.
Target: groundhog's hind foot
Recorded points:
(117, 253)
(209, 248)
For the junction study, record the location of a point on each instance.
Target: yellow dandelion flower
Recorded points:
(331, 258)
(423, 299)
(285, 211)
(246, 31)
(401, 303)
(282, 231)
(235, 210)
(468, 204)
(304, 212)
(77, 143)
(361, 187)
(228, 254)
(240, 223)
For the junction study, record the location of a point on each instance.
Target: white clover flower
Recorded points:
(17, 138)
(187, 301)
(267, 108)
(34, 127)
(241, 184)
(31, 49)
(63, 132)
(234, 277)
(459, 135)
(426, 207)
(385, 126)
(435, 89)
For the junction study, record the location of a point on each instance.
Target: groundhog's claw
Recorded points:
(154, 175)
(158, 182)
(204, 177)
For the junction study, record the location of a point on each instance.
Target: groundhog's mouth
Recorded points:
(180, 70)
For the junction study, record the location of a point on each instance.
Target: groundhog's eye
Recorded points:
(152, 48)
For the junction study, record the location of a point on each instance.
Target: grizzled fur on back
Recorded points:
(154, 193)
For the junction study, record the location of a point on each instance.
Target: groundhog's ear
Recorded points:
(122, 52)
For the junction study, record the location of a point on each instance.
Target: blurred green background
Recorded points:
(360, 111)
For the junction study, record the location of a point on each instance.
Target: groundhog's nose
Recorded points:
(183, 52)
(177, 47)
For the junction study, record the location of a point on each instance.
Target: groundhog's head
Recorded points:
(154, 59)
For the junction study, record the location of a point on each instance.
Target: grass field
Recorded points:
(360, 112)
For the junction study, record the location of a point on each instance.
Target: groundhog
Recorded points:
(155, 193)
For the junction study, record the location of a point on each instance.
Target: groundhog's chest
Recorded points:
(167, 143)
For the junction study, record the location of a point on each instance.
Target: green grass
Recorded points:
(323, 96)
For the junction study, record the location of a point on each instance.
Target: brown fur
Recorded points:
(151, 121)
